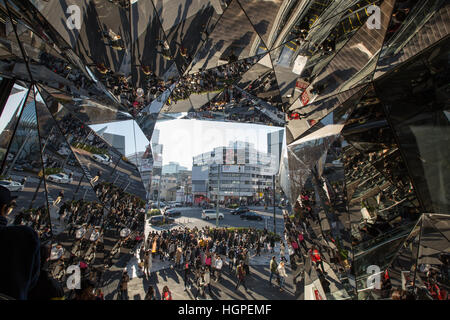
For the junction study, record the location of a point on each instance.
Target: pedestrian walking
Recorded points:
(282, 274)
(282, 251)
(316, 258)
(207, 279)
(147, 263)
(232, 257)
(150, 295)
(218, 267)
(240, 272)
(166, 294)
(272, 244)
(273, 269)
(200, 285)
(301, 240)
(186, 275)
(178, 255)
(246, 261)
(124, 285)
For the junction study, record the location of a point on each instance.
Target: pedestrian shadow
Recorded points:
(162, 274)
(173, 275)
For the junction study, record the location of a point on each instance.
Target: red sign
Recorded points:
(301, 85)
(305, 97)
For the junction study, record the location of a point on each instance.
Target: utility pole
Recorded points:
(239, 188)
(159, 188)
(218, 195)
(274, 219)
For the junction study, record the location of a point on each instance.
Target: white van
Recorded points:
(211, 214)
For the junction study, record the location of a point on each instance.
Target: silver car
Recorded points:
(211, 214)
(11, 185)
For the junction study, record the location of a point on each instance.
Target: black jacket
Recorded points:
(46, 288)
(20, 260)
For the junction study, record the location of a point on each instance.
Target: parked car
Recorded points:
(239, 210)
(172, 213)
(211, 214)
(102, 158)
(250, 215)
(160, 220)
(178, 205)
(11, 185)
(59, 178)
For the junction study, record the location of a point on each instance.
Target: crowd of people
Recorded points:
(202, 255)
(232, 105)
(210, 80)
(79, 83)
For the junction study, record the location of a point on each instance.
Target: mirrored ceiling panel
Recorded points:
(232, 39)
(193, 91)
(13, 100)
(12, 61)
(97, 157)
(104, 37)
(417, 109)
(414, 26)
(23, 173)
(88, 110)
(187, 24)
(355, 62)
(260, 83)
(151, 50)
(300, 20)
(302, 118)
(265, 16)
(235, 105)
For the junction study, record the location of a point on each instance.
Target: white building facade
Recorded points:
(234, 173)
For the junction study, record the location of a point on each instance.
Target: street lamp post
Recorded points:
(218, 195)
(274, 219)
(159, 188)
(239, 187)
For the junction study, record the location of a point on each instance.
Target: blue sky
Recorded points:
(183, 139)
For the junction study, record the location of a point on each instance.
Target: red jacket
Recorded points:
(315, 256)
(167, 296)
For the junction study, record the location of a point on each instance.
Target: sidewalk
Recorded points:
(162, 274)
(257, 283)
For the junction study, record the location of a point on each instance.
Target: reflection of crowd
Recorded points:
(37, 219)
(66, 70)
(392, 203)
(234, 106)
(90, 228)
(75, 131)
(211, 79)
(303, 243)
(203, 254)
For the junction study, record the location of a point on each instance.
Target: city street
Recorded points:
(163, 272)
(191, 217)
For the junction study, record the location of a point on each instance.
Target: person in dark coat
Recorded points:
(20, 250)
(46, 287)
